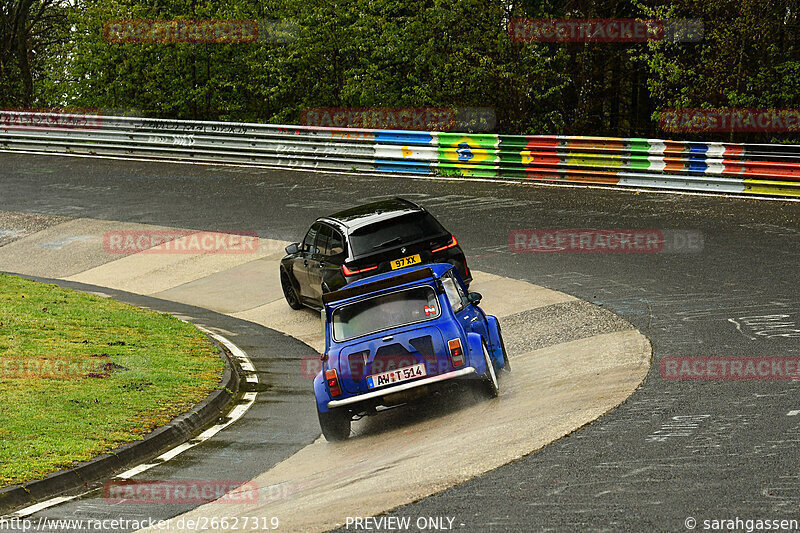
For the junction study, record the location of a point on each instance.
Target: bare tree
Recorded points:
(26, 26)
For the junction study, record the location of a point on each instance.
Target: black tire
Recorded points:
(335, 424)
(507, 366)
(489, 378)
(289, 292)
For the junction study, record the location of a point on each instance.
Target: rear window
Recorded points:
(400, 308)
(394, 232)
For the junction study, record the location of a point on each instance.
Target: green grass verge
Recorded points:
(81, 375)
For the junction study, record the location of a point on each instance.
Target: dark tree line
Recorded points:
(391, 53)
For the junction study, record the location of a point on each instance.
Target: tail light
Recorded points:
(347, 272)
(333, 382)
(456, 352)
(453, 242)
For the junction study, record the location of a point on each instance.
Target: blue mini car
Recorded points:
(392, 338)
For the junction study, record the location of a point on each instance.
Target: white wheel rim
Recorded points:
(490, 366)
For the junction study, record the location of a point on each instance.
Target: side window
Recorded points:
(308, 242)
(453, 293)
(335, 243)
(322, 240)
(460, 289)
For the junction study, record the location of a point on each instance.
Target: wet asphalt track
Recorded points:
(675, 449)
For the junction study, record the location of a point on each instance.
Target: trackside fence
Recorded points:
(757, 169)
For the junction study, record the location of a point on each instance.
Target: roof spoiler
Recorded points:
(374, 286)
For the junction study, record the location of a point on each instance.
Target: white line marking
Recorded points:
(136, 470)
(793, 413)
(235, 414)
(42, 505)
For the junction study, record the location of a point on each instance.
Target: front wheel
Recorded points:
(335, 424)
(489, 378)
(289, 292)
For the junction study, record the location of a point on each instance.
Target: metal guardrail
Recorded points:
(761, 169)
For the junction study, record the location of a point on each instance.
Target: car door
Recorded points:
(302, 265)
(316, 263)
(331, 267)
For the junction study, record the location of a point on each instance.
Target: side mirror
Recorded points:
(293, 248)
(474, 297)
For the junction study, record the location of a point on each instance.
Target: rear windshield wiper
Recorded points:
(396, 240)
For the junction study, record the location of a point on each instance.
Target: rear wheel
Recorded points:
(489, 377)
(507, 362)
(335, 424)
(289, 292)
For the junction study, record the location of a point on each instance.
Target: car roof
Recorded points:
(366, 214)
(439, 269)
(387, 280)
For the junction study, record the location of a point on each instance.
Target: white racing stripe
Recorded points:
(235, 414)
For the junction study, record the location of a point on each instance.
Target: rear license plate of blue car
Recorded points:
(396, 376)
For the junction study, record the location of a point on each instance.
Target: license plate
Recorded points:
(396, 376)
(406, 261)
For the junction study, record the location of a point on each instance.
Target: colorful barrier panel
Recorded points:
(754, 169)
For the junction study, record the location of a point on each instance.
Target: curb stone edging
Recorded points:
(160, 440)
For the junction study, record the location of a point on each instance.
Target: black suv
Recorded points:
(363, 241)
